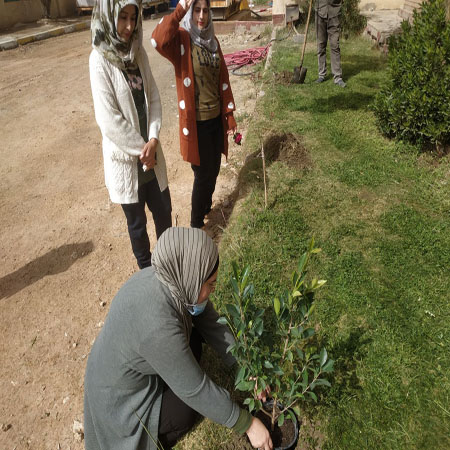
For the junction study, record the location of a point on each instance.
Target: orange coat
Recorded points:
(174, 43)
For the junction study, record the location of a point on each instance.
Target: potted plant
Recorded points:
(282, 355)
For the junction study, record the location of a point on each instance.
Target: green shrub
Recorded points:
(414, 104)
(351, 20)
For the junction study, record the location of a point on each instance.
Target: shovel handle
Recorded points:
(306, 33)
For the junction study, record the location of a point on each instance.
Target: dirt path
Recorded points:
(64, 248)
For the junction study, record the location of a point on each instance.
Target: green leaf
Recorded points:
(278, 371)
(240, 375)
(302, 262)
(248, 291)
(323, 382)
(268, 365)
(308, 333)
(276, 306)
(233, 311)
(244, 386)
(230, 347)
(281, 420)
(297, 410)
(235, 287)
(312, 395)
(323, 356)
(222, 320)
(305, 379)
(328, 367)
(291, 415)
(311, 245)
(244, 276)
(260, 328)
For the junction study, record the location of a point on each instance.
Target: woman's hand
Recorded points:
(186, 4)
(148, 154)
(232, 131)
(259, 435)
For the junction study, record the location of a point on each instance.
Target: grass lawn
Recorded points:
(380, 211)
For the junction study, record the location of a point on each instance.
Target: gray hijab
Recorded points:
(104, 33)
(183, 259)
(205, 37)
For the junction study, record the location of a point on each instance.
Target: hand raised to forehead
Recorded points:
(186, 4)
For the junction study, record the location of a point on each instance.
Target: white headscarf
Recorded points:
(183, 259)
(205, 37)
(104, 33)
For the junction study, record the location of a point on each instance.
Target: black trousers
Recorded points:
(210, 147)
(176, 418)
(160, 205)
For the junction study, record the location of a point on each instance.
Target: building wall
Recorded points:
(13, 12)
(279, 7)
(380, 4)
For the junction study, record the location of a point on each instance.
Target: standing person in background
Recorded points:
(328, 29)
(205, 101)
(128, 112)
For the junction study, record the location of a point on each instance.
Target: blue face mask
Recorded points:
(195, 310)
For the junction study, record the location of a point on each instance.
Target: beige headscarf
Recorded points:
(183, 260)
(204, 37)
(104, 33)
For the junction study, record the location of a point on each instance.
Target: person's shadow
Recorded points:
(55, 261)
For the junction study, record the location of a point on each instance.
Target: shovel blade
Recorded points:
(299, 75)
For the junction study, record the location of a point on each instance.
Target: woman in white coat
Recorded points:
(128, 111)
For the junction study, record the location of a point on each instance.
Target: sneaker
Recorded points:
(340, 82)
(320, 80)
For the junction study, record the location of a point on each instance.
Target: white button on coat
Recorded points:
(182, 104)
(154, 43)
(161, 20)
(187, 81)
(185, 131)
(224, 86)
(230, 105)
(182, 49)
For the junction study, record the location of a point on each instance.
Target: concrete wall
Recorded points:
(279, 7)
(365, 5)
(279, 10)
(23, 11)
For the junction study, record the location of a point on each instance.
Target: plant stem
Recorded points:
(273, 414)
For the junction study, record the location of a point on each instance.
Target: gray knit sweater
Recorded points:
(142, 343)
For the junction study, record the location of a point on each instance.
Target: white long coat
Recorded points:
(117, 117)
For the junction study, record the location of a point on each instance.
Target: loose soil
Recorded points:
(282, 437)
(65, 249)
(287, 148)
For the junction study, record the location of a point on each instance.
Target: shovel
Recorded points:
(300, 71)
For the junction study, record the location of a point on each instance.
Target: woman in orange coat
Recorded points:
(205, 101)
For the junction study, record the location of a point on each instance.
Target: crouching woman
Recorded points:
(143, 369)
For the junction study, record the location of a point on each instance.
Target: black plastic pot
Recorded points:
(268, 406)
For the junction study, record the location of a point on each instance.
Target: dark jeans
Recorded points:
(160, 205)
(176, 418)
(210, 146)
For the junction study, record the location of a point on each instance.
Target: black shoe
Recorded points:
(320, 80)
(340, 82)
